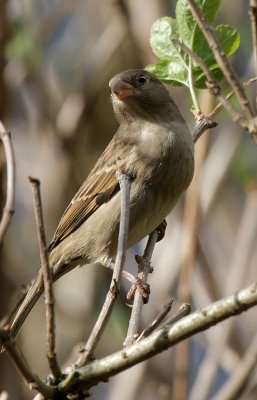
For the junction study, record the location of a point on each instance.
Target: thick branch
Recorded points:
(162, 339)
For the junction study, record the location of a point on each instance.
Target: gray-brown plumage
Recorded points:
(154, 146)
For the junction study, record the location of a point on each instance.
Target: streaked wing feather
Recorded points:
(97, 189)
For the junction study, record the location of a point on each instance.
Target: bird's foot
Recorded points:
(144, 289)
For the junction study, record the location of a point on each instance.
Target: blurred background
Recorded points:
(56, 58)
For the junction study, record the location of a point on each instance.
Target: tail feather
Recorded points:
(28, 303)
(34, 293)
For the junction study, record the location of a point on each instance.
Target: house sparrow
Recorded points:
(154, 146)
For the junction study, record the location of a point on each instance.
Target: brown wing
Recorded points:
(97, 189)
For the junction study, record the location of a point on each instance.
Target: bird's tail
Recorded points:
(34, 292)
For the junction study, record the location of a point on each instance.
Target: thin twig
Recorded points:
(222, 60)
(125, 183)
(253, 20)
(182, 312)
(156, 322)
(160, 340)
(10, 191)
(219, 106)
(212, 83)
(22, 366)
(138, 300)
(47, 278)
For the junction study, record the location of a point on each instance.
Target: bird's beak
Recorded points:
(122, 89)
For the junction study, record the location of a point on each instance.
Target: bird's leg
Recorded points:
(139, 284)
(161, 230)
(136, 282)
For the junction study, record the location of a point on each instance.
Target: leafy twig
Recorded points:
(212, 82)
(221, 59)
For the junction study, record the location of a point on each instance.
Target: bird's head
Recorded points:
(139, 94)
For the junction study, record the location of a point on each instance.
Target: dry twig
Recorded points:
(156, 322)
(47, 278)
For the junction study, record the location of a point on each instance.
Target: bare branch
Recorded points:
(144, 267)
(20, 363)
(10, 192)
(47, 278)
(125, 183)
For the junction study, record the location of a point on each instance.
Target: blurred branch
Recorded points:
(224, 65)
(191, 223)
(47, 278)
(10, 191)
(97, 371)
(125, 183)
(243, 248)
(243, 372)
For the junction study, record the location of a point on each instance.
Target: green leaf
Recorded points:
(169, 72)
(200, 78)
(161, 33)
(228, 37)
(186, 22)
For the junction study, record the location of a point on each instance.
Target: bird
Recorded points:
(154, 146)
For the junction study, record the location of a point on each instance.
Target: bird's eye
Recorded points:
(141, 79)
